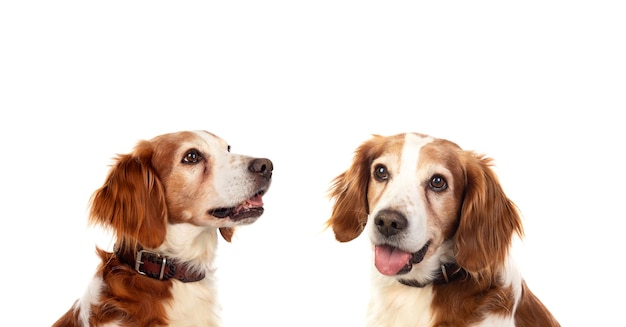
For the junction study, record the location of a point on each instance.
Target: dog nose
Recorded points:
(262, 167)
(390, 222)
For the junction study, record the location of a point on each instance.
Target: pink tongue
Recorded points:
(389, 260)
(255, 201)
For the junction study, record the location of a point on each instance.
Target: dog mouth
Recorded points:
(392, 261)
(250, 208)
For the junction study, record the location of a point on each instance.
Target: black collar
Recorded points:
(448, 272)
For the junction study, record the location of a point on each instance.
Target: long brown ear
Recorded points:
(488, 218)
(349, 190)
(227, 233)
(132, 201)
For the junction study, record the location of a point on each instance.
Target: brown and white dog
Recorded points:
(441, 230)
(165, 202)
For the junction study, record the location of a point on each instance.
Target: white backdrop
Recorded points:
(537, 85)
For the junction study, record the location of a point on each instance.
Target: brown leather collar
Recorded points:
(448, 272)
(154, 265)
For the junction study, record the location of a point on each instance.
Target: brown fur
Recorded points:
(482, 232)
(168, 180)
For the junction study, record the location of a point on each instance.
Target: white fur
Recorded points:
(199, 175)
(426, 184)
(395, 305)
(400, 193)
(199, 298)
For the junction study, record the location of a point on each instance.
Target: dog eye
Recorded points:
(381, 173)
(191, 157)
(438, 183)
(228, 148)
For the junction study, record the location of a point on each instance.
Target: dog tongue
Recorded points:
(256, 200)
(389, 260)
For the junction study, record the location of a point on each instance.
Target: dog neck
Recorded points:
(157, 266)
(448, 272)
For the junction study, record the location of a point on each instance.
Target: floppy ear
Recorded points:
(227, 233)
(349, 190)
(132, 201)
(488, 218)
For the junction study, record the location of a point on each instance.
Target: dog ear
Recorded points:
(349, 190)
(227, 233)
(132, 201)
(488, 218)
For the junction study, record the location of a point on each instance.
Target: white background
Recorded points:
(537, 85)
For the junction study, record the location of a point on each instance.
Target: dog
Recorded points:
(441, 229)
(165, 202)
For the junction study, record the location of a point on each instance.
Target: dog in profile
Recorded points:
(165, 202)
(441, 229)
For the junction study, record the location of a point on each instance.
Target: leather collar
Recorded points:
(448, 272)
(155, 265)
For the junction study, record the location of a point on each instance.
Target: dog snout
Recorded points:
(390, 222)
(262, 167)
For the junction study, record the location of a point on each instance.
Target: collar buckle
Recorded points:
(139, 262)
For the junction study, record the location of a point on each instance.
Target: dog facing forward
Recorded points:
(165, 202)
(441, 229)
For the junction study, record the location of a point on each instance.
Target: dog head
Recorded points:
(424, 202)
(188, 177)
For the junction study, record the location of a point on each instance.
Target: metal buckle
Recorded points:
(445, 273)
(138, 262)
